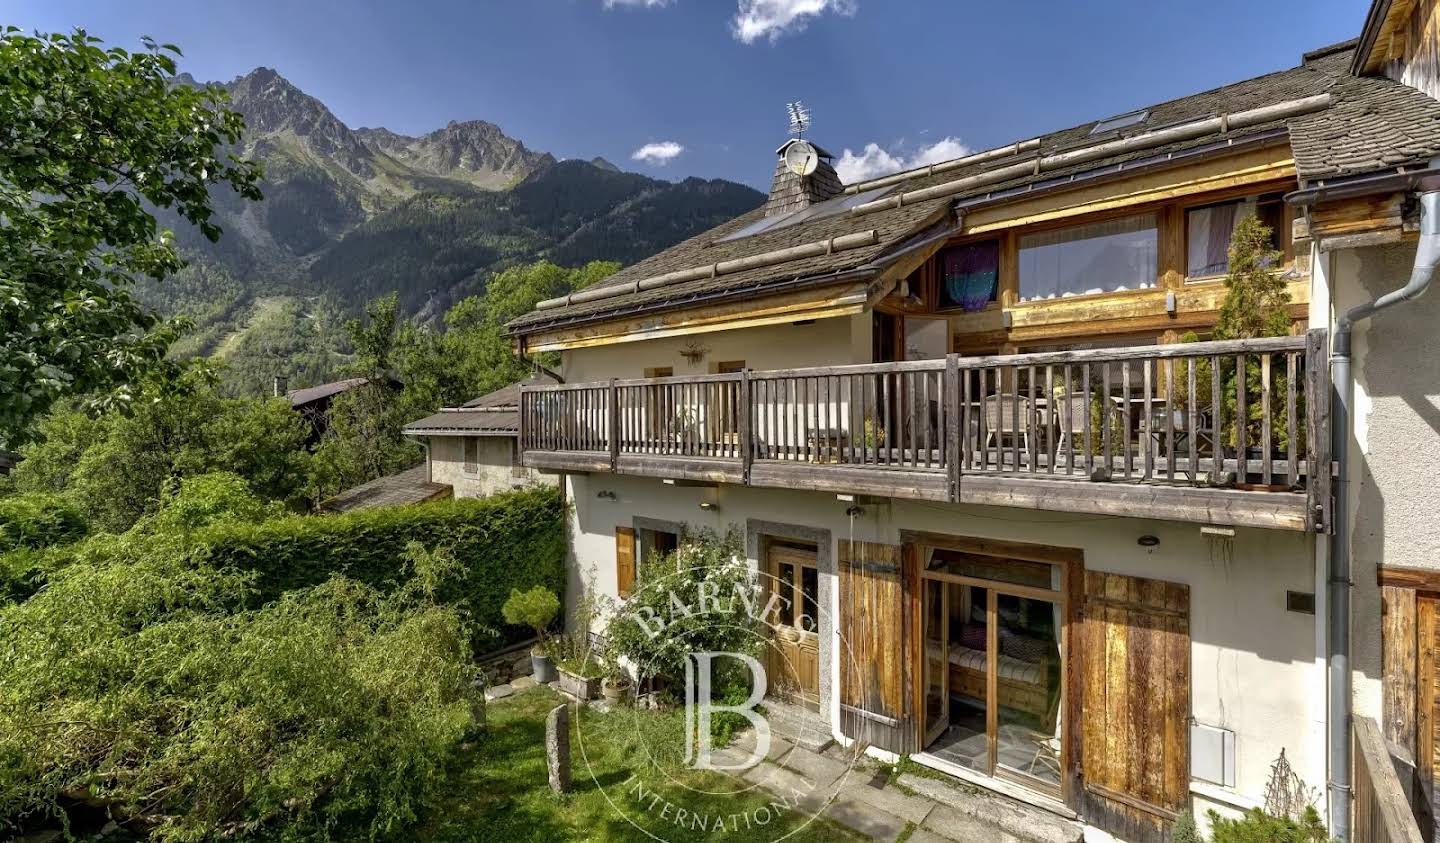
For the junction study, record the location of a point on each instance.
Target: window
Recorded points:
(1098, 257)
(1208, 230)
(655, 544)
(730, 367)
(968, 276)
(660, 372)
(470, 446)
(1119, 122)
(820, 210)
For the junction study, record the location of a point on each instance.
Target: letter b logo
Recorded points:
(699, 708)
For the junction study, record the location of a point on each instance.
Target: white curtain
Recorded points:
(1209, 230)
(1100, 257)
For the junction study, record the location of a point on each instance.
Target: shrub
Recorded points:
(222, 497)
(673, 584)
(1184, 830)
(145, 688)
(505, 542)
(535, 608)
(38, 519)
(1256, 826)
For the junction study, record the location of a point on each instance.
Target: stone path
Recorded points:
(861, 796)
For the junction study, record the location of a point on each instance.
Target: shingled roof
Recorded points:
(1370, 124)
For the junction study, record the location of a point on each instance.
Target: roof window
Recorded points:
(820, 210)
(1120, 122)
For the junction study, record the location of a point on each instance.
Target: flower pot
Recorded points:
(614, 690)
(543, 669)
(578, 686)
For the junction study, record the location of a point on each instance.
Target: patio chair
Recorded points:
(1000, 421)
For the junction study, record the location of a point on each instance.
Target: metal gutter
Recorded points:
(1338, 680)
(1411, 177)
(1124, 169)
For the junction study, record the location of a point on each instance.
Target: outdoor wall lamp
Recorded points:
(1148, 541)
(606, 495)
(709, 506)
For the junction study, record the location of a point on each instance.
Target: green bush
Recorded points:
(1256, 826)
(505, 542)
(147, 689)
(1184, 830)
(535, 609)
(656, 629)
(38, 519)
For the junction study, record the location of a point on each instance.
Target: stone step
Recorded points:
(968, 813)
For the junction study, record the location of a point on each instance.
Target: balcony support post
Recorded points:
(950, 402)
(613, 397)
(747, 415)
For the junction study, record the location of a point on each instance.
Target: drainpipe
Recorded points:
(1427, 257)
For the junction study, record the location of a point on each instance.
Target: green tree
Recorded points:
(91, 141)
(117, 467)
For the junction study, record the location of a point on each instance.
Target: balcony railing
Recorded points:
(1244, 415)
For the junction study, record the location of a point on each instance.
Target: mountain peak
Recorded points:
(599, 161)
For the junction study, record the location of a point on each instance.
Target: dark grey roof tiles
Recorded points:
(1373, 123)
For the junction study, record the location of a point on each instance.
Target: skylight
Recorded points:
(1119, 122)
(820, 210)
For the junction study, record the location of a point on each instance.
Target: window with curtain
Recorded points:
(968, 275)
(1208, 230)
(1098, 257)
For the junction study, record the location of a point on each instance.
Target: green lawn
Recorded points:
(503, 795)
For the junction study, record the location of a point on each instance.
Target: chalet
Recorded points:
(474, 449)
(975, 416)
(313, 402)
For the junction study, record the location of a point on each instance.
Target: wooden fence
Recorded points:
(1381, 813)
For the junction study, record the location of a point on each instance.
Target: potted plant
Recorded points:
(580, 671)
(536, 609)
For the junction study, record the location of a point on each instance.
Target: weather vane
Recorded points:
(799, 118)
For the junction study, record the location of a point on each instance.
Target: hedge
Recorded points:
(508, 541)
(38, 519)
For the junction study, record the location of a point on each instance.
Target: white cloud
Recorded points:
(873, 161)
(756, 19)
(644, 4)
(659, 154)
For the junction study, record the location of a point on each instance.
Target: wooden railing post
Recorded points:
(747, 427)
(1317, 431)
(950, 402)
(613, 396)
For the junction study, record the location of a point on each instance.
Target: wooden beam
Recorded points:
(1252, 167)
(819, 303)
(1404, 576)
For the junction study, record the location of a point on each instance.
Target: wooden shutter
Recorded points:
(471, 448)
(874, 663)
(1136, 716)
(624, 560)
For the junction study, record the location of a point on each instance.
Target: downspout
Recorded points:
(429, 467)
(1427, 257)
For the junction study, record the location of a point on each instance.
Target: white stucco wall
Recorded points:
(1253, 663)
(493, 474)
(824, 342)
(1395, 445)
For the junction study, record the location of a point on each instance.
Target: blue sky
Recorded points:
(919, 79)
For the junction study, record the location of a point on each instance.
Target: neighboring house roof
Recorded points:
(8, 460)
(493, 414)
(410, 486)
(1369, 123)
(310, 394)
(509, 396)
(484, 421)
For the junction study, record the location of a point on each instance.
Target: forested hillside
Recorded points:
(350, 215)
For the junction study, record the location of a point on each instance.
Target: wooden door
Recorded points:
(1136, 708)
(794, 654)
(875, 663)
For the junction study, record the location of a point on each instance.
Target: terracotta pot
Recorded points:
(614, 690)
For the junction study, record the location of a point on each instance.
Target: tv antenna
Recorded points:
(799, 118)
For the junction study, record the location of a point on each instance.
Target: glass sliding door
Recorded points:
(1027, 734)
(993, 665)
(937, 687)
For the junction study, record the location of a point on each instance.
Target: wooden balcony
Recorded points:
(1149, 431)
